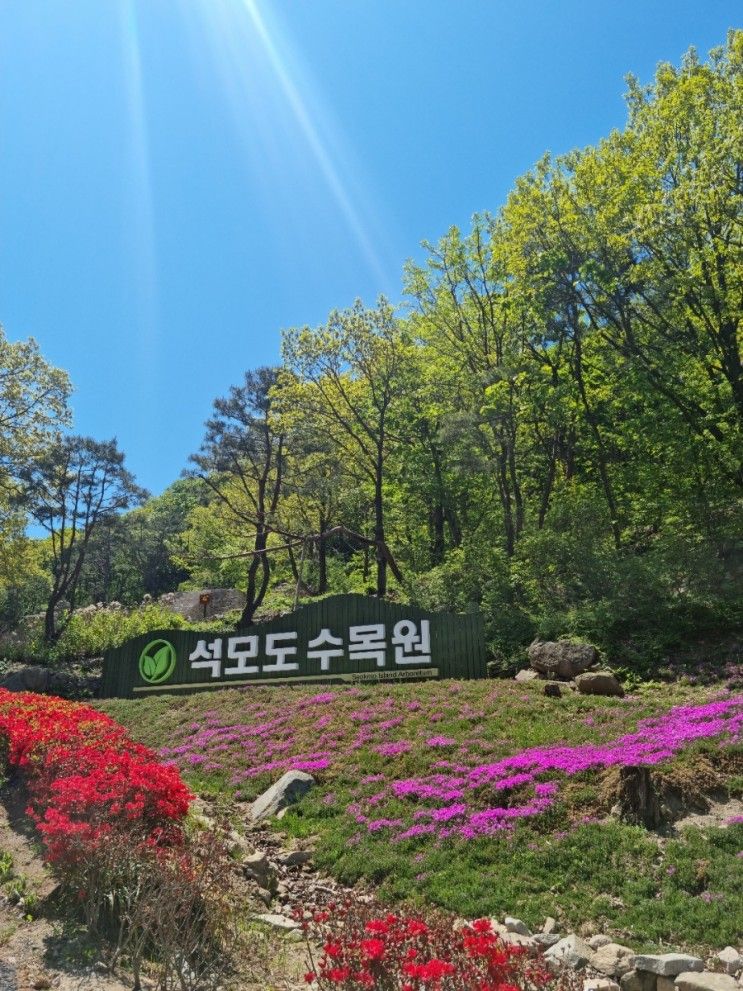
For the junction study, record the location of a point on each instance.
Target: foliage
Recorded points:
(399, 952)
(111, 818)
(480, 797)
(71, 490)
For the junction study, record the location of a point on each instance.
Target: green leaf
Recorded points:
(162, 660)
(148, 667)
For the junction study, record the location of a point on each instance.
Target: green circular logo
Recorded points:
(157, 661)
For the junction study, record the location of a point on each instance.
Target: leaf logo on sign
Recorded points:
(157, 662)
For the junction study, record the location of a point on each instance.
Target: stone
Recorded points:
(279, 922)
(285, 792)
(552, 690)
(600, 984)
(705, 981)
(638, 801)
(258, 867)
(265, 896)
(612, 959)
(562, 658)
(550, 925)
(598, 683)
(668, 964)
(296, 858)
(596, 942)
(528, 674)
(729, 959)
(514, 925)
(32, 678)
(570, 952)
(547, 939)
(638, 980)
(665, 984)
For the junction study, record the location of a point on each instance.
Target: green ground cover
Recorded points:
(486, 797)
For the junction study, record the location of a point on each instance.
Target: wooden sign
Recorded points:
(341, 638)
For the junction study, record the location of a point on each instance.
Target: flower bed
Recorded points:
(407, 953)
(438, 785)
(88, 781)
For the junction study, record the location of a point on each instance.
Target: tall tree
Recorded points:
(242, 461)
(71, 490)
(348, 376)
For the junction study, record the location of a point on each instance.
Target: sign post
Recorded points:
(339, 639)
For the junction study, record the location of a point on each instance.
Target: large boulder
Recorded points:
(187, 604)
(668, 964)
(706, 981)
(598, 683)
(31, 678)
(613, 959)
(562, 658)
(571, 952)
(287, 790)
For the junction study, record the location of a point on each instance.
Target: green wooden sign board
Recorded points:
(341, 638)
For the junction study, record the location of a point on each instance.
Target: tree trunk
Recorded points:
(379, 527)
(322, 559)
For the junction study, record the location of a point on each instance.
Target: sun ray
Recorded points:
(274, 98)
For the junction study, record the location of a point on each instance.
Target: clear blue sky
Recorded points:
(181, 179)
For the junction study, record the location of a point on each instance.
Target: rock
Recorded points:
(296, 858)
(278, 922)
(258, 867)
(570, 952)
(547, 939)
(550, 925)
(31, 678)
(265, 896)
(514, 925)
(552, 690)
(668, 964)
(187, 604)
(237, 845)
(42, 983)
(638, 980)
(528, 674)
(664, 984)
(705, 981)
(600, 984)
(562, 658)
(598, 683)
(612, 959)
(287, 790)
(729, 959)
(596, 942)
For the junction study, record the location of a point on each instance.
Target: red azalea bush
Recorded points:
(88, 781)
(405, 953)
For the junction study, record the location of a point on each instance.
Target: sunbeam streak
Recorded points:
(276, 103)
(141, 218)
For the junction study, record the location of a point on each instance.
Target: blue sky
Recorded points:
(181, 179)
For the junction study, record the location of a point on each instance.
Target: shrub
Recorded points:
(398, 952)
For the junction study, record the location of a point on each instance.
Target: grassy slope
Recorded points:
(569, 861)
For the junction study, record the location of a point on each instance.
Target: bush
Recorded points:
(407, 953)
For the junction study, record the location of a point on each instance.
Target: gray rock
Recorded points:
(562, 658)
(547, 939)
(31, 678)
(260, 868)
(570, 952)
(187, 603)
(600, 984)
(706, 981)
(665, 984)
(296, 858)
(552, 690)
(550, 925)
(527, 674)
(613, 959)
(729, 959)
(596, 942)
(514, 925)
(668, 964)
(638, 980)
(279, 922)
(288, 789)
(598, 683)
